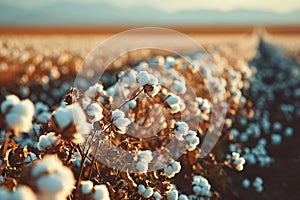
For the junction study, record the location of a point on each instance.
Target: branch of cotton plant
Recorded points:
(131, 98)
(86, 155)
(5, 144)
(93, 160)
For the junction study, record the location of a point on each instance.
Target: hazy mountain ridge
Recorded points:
(68, 13)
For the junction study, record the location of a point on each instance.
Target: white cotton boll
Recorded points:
(132, 104)
(101, 193)
(183, 197)
(95, 110)
(172, 99)
(176, 166)
(40, 107)
(277, 126)
(152, 80)
(4, 194)
(181, 129)
(175, 108)
(142, 166)
(172, 195)
(197, 190)
(22, 193)
(63, 117)
(51, 183)
(143, 78)
(141, 189)
(53, 179)
(157, 196)
(129, 77)
(170, 61)
(94, 90)
(192, 197)
(122, 122)
(288, 132)
(86, 187)
(20, 116)
(46, 141)
(276, 139)
(117, 114)
(178, 86)
(148, 192)
(168, 170)
(44, 117)
(10, 100)
(192, 140)
(146, 155)
(246, 183)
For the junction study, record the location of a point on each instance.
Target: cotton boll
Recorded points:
(288, 132)
(117, 114)
(192, 140)
(122, 123)
(145, 192)
(63, 117)
(183, 197)
(172, 195)
(94, 111)
(173, 168)
(4, 194)
(276, 139)
(143, 78)
(101, 192)
(86, 187)
(53, 179)
(22, 193)
(46, 141)
(148, 192)
(44, 117)
(20, 115)
(142, 166)
(157, 196)
(181, 129)
(246, 183)
(10, 100)
(146, 155)
(94, 91)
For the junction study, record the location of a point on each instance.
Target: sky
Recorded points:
(279, 6)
